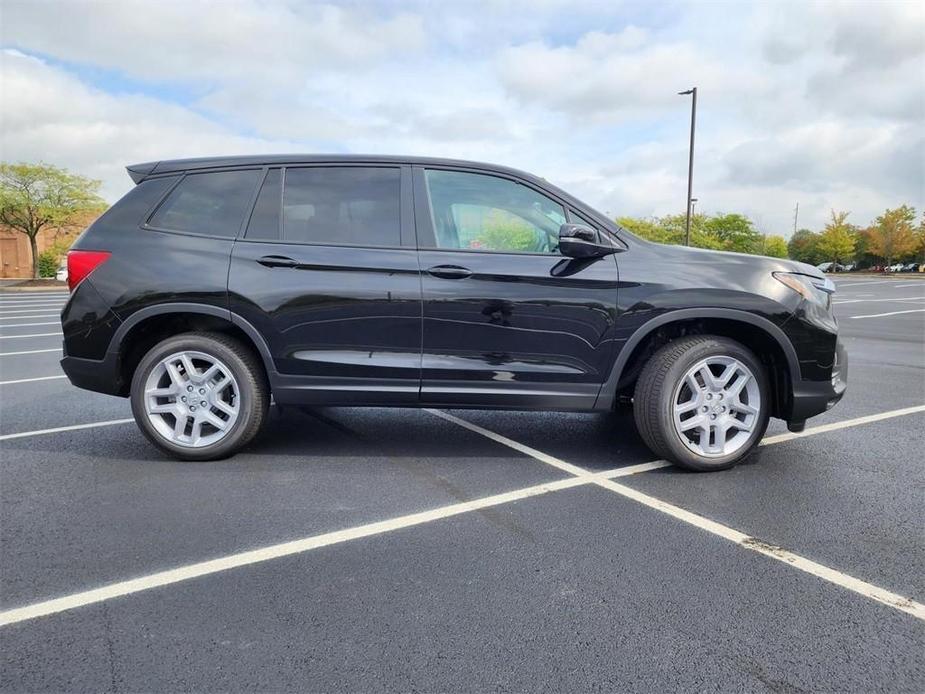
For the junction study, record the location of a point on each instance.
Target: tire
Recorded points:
(716, 438)
(239, 403)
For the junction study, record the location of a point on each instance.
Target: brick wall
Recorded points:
(16, 255)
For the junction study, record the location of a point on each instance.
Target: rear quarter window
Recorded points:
(212, 204)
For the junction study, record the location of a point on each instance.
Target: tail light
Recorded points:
(81, 263)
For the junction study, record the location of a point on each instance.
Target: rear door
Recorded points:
(508, 321)
(328, 273)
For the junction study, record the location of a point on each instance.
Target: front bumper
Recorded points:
(815, 397)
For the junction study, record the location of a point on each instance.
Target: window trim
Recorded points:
(428, 221)
(406, 230)
(242, 235)
(248, 209)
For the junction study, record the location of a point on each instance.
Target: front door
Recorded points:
(508, 321)
(328, 273)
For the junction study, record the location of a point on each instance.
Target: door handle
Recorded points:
(450, 272)
(278, 261)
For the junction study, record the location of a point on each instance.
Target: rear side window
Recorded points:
(213, 204)
(342, 205)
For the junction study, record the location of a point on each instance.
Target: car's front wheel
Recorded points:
(702, 402)
(199, 396)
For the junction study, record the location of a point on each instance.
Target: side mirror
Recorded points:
(579, 241)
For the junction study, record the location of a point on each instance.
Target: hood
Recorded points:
(728, 259)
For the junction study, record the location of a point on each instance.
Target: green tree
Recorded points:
(671, 229)
(34, 197)
(48, 263)
(502, 231)
(775, 246)
(920, 240)
(863, 251)
(648, 229)
(735, 232)
(804, 247)
(892, 234)
(836, 242)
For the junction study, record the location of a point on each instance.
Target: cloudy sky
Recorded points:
(821, 104)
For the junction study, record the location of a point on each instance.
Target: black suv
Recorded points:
(215, 284)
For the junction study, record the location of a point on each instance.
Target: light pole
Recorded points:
(690, 167)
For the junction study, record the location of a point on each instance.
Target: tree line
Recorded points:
(721, 232)
(35, 197)
(894, 236)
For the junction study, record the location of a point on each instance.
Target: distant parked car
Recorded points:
(849, 267)
(61, 274)
(831, 267)
(896, 267)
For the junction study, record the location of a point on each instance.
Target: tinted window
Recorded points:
(208, 203)
(342, 205)
(264, 222)
(480, 212)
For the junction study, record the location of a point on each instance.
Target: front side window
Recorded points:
(342, 205)
(482, 212)
(213, 204)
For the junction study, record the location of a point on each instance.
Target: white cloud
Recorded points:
(820, 103)
(220, 41)
(57, 119)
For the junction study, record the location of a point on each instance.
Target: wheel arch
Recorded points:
(759, 334)
(148, 326)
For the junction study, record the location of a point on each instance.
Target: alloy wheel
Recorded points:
(192, 399)
(716, 406)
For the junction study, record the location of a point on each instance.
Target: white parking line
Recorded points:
(6, 296)
(29, 351)
(30, 310)
(865, 284)
(16, 337)
(863, 588)
(868, 590)
(914, 284)
(580, 477)
(30, 380)
(190, 571)
(844, 424)
(28, 325)
(57, 430)
(864, 301)
(891, 313)
(43, 315)
(48, 297)
(285, 549)
(31, 302)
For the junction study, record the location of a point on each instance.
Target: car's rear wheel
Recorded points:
(199, 396)
(702, 402)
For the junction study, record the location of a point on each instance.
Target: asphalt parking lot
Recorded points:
(394, 549)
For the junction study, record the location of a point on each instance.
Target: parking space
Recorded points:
(381, 549)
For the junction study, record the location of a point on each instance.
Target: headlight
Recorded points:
(819, 290)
